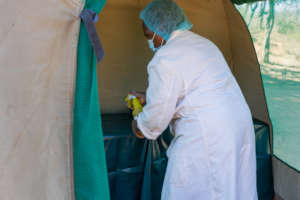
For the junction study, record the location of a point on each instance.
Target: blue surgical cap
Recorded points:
(163, 17)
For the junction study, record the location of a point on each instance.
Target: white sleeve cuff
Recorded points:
(146, 132)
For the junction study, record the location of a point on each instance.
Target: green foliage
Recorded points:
(285, 26)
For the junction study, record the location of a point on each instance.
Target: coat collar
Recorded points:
(174, 34)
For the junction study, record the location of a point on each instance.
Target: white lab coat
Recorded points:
(191, 87)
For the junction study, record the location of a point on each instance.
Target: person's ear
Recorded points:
(161, 41)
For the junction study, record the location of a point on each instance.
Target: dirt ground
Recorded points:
(284, 58)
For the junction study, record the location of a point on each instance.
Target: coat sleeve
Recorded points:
(164, 88)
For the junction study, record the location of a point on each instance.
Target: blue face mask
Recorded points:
(151, 44)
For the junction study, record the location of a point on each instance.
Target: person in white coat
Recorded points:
(191, 88)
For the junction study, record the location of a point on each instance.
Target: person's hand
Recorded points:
(140, 95)
(136, 131)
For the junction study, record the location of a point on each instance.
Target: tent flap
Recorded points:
(90, 174)
(38, 45)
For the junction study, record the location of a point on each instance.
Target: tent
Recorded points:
(55, 141)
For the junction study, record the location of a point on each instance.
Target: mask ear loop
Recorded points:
(153, 37)
(162, 41)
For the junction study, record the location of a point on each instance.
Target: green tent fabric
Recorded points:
(90, 172)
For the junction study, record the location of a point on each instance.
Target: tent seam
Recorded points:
(73, 61)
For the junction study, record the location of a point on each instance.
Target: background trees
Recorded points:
(265, 13)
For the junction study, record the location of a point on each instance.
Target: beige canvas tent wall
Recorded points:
(38, 45)
(127, 54)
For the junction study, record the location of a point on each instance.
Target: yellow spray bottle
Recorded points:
(134, 104)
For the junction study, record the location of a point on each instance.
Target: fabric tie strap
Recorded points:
(89, 17)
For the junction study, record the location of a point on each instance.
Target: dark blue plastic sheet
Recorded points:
(264, 161)
(136, 168)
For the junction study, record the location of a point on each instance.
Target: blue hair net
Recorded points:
(163, 17)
